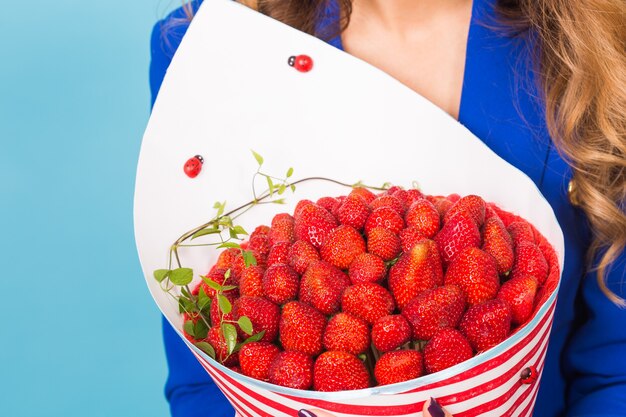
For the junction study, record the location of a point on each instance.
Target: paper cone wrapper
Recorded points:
(228, 90)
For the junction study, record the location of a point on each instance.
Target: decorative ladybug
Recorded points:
(193, 166)
(529, 375)
(302, 63)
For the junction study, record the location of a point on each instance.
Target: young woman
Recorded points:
(541, 82)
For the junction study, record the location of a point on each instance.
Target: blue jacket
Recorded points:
(585, 371)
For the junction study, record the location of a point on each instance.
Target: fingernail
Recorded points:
(435, 409)
(306, 413)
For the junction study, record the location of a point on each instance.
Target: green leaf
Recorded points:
(227, 274)
(229, 245)
(206, 348)
(204, 300)
(212, 284)
(270, 185)
(363, 357)
(232, 234)
(256, 337)
(230, 335)
(185, 293)
(289, 172)
(208, 231)
(293, 188)
(220, 207)
(248, 258)
(245, 324)
(186, 306)
(225, 305)
(200, 329)
(251, 339)
(226, 221)
(279, 201)
(188, 327)
(161, 274)
(228, 287)
(258, 158)
(281, 189)
(240, 230)
(181, 276)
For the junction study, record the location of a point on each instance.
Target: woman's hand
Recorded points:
(431, 409)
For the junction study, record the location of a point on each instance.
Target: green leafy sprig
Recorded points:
(175, 279)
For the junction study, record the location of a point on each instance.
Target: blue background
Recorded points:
(80, 335)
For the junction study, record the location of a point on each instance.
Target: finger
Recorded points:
(433, 409)
(314, 413)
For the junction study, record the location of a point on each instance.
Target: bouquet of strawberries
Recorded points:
(367, 289)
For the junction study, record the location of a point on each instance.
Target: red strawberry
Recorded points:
(239, 264)
(301, 255)
(367, 267)
(302, 328)
(292, 370)
(398, 366)
(403, 196)
(497, 242)
(322, 285)
(226, 258)
(368, 301)
(520, 231)
(347, 333)
(218, 276)
(327, 202)
(447, 348)
(506, 217)
(413, 195)
(261, 244)
(341, 246)
(384, 243)
(338, 204)
(279, 254)
(390, 332)
(280, 283)
(255, 359)
(475, 272)
(415, 271)
(474, 205)
(384, 217)
(282, 229)
(519, 293)
(433, 310)
(216, 313)
(443, 205)
(458, 233)
(409, 237)
(314, 224)
(263, 314)
(388, 201)
(454, 197)
(364, 193)
(424, 217)
(339, 371)
(300, 207)
(487, 324)
(529, 260)
(260, 231)
(216, 339)
(354, 211)
(251, 281)
(490, 212)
